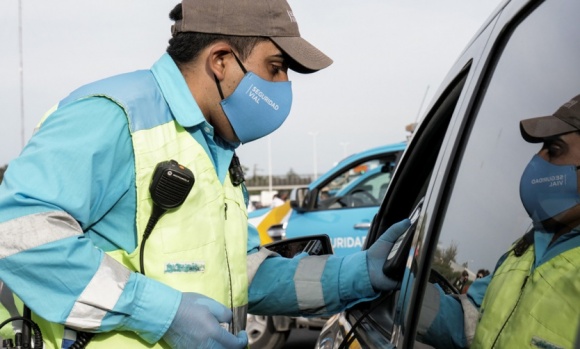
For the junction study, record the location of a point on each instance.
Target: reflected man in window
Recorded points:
(531, 299)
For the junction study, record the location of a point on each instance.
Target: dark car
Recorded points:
(464, 165)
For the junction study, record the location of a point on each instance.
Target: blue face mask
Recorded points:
(257, 107)
(547, 189)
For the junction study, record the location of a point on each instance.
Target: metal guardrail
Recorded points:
(258, 183)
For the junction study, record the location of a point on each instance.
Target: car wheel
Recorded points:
(263, 335)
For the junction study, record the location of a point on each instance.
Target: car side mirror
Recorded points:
(299, 199)
(316, 245)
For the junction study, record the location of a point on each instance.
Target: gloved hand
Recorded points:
(197, 325)
(377, 255)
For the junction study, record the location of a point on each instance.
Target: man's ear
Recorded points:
(217, 59)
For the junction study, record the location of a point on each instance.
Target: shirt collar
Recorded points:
(544, 250)
(176, 92)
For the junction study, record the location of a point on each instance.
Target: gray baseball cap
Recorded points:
(268, 18)
(565, 120)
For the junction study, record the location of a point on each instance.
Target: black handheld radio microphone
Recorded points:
(170, 185)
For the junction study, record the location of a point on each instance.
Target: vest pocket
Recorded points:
(188, 238)
(198, 222)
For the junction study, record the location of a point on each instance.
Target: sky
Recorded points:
(390, 56)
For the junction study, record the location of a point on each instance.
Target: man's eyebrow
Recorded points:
(280, 55)
(554, 139)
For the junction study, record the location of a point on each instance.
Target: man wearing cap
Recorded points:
(74, 207)
(531, 298)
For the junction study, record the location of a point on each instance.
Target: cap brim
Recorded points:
(536, 130)
(304, 57)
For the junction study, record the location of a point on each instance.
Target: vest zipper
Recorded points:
(233, 324)
(512, 312)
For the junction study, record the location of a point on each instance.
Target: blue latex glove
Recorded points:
(377, 255)
(197, 325)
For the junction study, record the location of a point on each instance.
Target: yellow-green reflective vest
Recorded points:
(531, 309)
(200, 247)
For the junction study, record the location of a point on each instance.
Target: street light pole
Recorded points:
(20, 44)
(314, 155)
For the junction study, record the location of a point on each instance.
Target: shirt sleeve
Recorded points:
(456, 316)
(309, 285)
(73, 170)
(446, 330)
(476, 291)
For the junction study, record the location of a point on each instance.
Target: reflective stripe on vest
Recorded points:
(538, 310)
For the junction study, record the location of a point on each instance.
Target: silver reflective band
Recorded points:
(254, 260)
(470, 317)
(100, 295)
(34, 230)
(307, 281)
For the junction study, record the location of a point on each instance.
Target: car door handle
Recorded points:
(364, 225)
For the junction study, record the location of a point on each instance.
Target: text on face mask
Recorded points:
(256, 94)
(554, 180)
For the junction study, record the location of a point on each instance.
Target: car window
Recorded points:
(360, 185)
(375, 184)
(534, 73)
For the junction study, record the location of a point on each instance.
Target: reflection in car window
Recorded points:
(485, 214)
(535, 74)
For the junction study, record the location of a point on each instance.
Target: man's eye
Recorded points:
(279, 68)
(554, 149)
